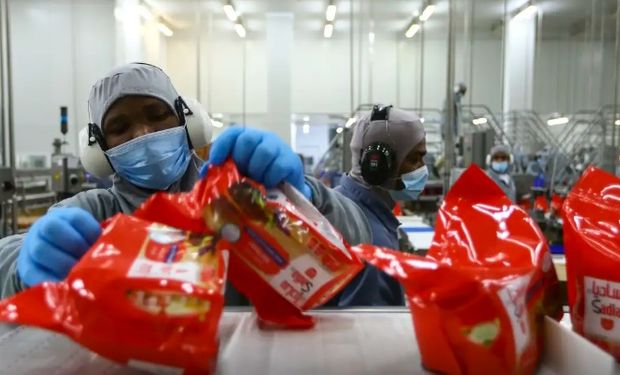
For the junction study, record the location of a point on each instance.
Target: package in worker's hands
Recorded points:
(478, 299)
(591, 216)
(285, 257)
(146, 295)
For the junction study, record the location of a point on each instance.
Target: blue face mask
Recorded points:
(414, 182)
(153, 161)
(499, 166)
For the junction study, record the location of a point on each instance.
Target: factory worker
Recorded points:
(143, 133)
(387, 147)
(499, 163)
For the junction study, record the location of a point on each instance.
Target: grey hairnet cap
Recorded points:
(126, 80)
(500, 148)
(403, 132)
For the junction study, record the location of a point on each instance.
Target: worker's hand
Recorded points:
(260, 155)
(55, 243)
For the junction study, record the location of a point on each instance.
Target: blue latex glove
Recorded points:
(260, 155)
(55, 243)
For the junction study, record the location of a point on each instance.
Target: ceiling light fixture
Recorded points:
(240, 29)
(412, 30)
(479, 121)
(230, 11)
(164, 29)
(328, 31)
(558, 121)
(427, 13)
(526, 13)
(350, 122)
(330, 12)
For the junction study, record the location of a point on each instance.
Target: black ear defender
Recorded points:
(378, 159)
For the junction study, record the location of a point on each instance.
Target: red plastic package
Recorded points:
(145, 294)
(285, 257)
(479, 297)
(591, 216)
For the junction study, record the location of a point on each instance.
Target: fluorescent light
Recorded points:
(558, 121)
(371, 37)
(217, 124)
(350, 122)
(306, 128)
(339, 129)
(306, 118)
(526, 13)
(240, 29)
(329, 30)
(480, 121)
(165, 29)
(330, 13)
(422, 120)
(427, 13)
(230, 11)
(412, 30)
(617, 122)
(145, 13)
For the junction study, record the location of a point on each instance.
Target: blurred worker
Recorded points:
(143, 133)
(499, 162)
(387, 147)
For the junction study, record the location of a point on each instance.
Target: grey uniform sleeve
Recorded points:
(344, 214)
(99, 203)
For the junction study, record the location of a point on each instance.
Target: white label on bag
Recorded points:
(300, 279)
(602, 308)
(513, 297)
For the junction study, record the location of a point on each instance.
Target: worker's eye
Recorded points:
(159, 116)
(116, 127)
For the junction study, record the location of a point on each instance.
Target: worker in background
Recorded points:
(143, 133)
(499, 163)
(387, 147)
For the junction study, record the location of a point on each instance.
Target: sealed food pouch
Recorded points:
(145, 294)
(591, 216)
(285, 257)
(479, 297)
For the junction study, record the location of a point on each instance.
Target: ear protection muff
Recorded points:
(511, 160)
(378, 159)
(92, 142)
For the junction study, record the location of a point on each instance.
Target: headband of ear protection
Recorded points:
(511, 159)
(92, 143)
(378, 159)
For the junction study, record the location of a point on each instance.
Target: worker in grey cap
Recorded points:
(388, 147)
(499, 165)
(142, 132)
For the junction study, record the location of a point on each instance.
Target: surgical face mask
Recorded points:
(499, 166)
(414, 182)
(153, 161)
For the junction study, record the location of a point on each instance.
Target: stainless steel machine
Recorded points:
(7, 193)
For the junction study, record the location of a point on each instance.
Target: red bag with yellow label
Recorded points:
(478, 298)
(591, 216)
(145, 295)
(285, 257)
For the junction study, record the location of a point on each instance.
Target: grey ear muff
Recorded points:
(199, 124)
(93, 159)
(199, 132)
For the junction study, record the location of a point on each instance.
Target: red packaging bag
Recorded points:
(145, 294)
(478, 298)
(285, 257)
(591, 215)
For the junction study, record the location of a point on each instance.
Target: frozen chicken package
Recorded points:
(285, 257)
(591, 216)
(479, 297)
(145, 294)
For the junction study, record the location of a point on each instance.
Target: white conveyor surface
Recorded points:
(356, 341)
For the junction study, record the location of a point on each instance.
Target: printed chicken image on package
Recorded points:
(591, 216)
(145, 294)
(284, 256)
(479, 297)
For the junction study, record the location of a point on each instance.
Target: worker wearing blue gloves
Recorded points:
(143, 133)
